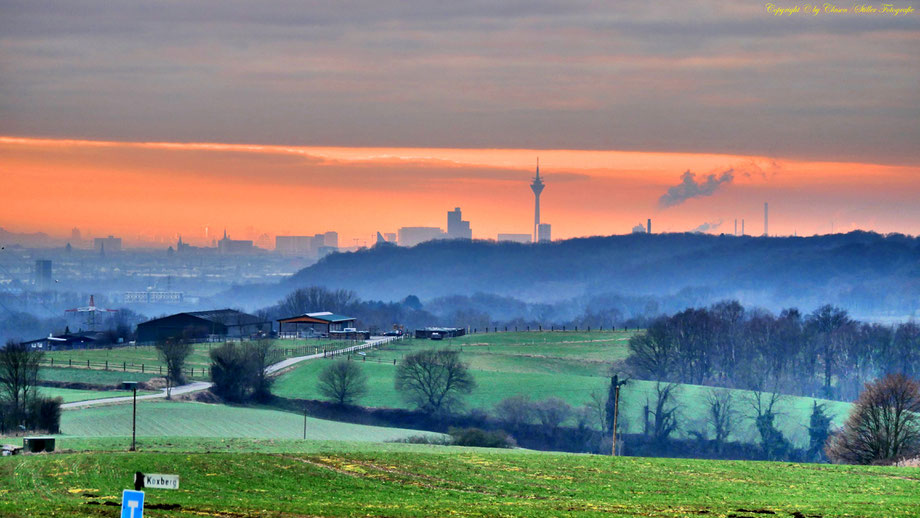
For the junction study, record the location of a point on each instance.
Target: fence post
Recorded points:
(161, 369)
(142, 368)
(106, 365)
(87, 364)
(69, 362)
(124, 366)
(52, 361)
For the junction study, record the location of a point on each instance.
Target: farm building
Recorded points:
(217, 324)
(64, 341)
(322, 323)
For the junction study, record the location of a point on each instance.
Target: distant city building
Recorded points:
(331, 239)
(544, 233)
(516, 238)
(105, 245)
(390, 237)
(43, 281)
(153, 297)
(75, 235)
(649, 230)
(234, 246)
(537, 188)
(411, 236)
(456, 227)
(294, 245)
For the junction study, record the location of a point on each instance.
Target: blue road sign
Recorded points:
(132, 504)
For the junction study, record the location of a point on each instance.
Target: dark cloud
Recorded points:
(689, 188)
(663, 76)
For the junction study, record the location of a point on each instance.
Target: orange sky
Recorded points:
(155, 191)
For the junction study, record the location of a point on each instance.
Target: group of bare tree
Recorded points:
(238, 370)
(21, 405)
(824, 354)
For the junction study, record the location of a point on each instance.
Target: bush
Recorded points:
(481, 438)
(46, 414)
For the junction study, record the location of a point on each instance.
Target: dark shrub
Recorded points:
(481, 438)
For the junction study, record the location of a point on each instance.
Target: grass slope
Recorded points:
(72, 395)
(175, 419)
(405, 483)
(568, 365)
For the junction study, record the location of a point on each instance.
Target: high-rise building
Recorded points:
(390, 237)
(649, 230)
(544, 233)
(43, 280)
(456, 227)
(331, 239)
(294, 245)
(537, 188)
(765, 215)
(411, 236)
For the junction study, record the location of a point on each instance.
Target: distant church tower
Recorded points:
(537, 188)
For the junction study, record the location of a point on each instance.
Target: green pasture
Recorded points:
(95, 377)
(163, 419)
(72, 395)
(466, 483)
(523, 364)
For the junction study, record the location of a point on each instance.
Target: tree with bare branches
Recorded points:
(721, 414)
(18, 378)
(434, 379)
(883, 426)
(343, 381)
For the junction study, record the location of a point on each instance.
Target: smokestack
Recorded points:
(742, 226)
(736, 226)
(649, 226)
(765, 215)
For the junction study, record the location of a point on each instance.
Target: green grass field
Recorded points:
(72, 395)
(568, 365)
(163, 419)
(95, 377)
(125, 361)
(465, 483)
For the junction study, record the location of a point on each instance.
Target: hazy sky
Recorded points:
(820, 115)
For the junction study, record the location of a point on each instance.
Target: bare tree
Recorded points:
(884, 424)
(664, 411)
(721, 414)
(342, 381)
(515, 411)
(316, 298)
(552, 412)
(598, 405)
(434, 379)
(763, 404)
(173, 353)
(18, 377)
(652, 354)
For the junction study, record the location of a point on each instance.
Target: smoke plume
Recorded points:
(706, 227)
(690, 188)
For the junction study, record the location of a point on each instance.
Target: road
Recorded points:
(204, 385)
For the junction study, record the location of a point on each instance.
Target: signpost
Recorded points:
(132, 504)
(158, 481)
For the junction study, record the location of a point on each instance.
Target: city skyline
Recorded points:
(191, 186)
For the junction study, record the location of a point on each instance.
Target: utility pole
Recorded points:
(132, 385)
(616, 383)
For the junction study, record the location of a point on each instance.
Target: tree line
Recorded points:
(822, 354)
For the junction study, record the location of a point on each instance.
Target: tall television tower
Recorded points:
(537, 188)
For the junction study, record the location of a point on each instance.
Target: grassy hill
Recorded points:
(163, 419)
(451, 482)
(568, 365)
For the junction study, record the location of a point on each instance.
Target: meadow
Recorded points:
(569, 365)
(129, 360)
(73, 395)
(162, 419)
(406, 480)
